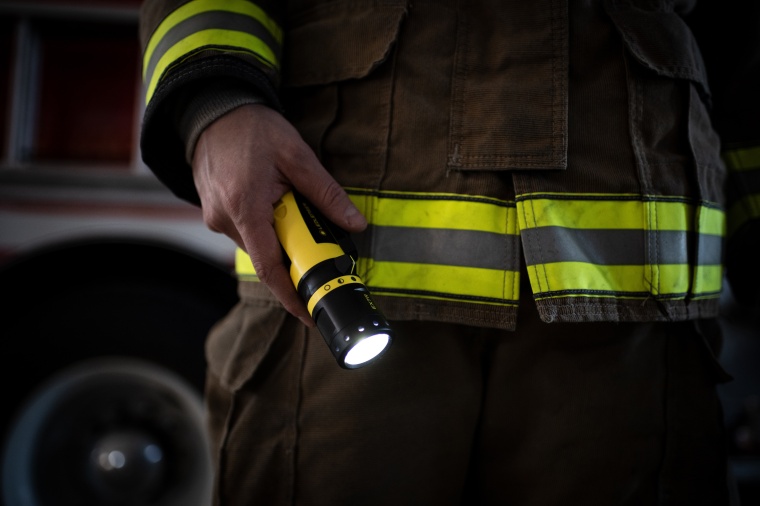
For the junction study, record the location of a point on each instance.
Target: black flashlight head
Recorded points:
(354, 329)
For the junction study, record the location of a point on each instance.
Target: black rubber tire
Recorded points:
(96, 300)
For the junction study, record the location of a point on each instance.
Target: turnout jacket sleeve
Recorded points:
(728, 33)
(205, 56)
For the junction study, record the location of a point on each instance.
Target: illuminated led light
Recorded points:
(367, 349)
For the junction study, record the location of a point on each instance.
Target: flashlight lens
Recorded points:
(367, 349)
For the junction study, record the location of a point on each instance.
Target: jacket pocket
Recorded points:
(677, 151)
(337, 83)
(659, 40)
(510, 87)
(238, 345)
(336, 41)
(673, 130)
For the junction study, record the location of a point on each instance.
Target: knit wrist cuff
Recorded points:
(208, 104)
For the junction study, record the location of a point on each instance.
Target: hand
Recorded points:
(243, 163)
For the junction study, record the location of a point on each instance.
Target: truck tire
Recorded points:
(103, 355)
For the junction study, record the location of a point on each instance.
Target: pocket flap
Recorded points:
(659, 40)
(238, 345)
(356, 38)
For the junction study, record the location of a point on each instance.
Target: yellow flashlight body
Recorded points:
(305, 243)
(323, 272)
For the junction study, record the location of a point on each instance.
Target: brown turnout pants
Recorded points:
(586, 414)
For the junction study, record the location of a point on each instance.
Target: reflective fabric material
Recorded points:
(623, 246)
(456, 247)
(438, 246)
(230, 26)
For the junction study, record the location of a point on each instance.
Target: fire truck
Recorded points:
(109, 282)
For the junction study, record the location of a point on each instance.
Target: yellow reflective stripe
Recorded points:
(441, 282)
(563, 279)
(543, 212)
(437, 210)
(423, 280)
(712, 221)
(742, 159)
(244, 41)
(244, 265)
(580, 212)
(708, 281)
(199, 6)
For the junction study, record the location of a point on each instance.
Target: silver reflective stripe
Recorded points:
(221, 20)
(621, 247)
(465, 248)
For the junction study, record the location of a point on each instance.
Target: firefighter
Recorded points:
(544, 196)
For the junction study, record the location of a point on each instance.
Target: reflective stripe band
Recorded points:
(428, 281)
(231, 26)
(577, 279)
(217, 39)
(621, 246)
(742, 159)
(611, 212)
(439, 246)
(442, 282)
(339, 282)
(743, 187)
(201, 15)
(244, 267)
(605, 246)
(437, 210)
(442, 246)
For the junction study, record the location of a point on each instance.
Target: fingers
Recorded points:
(269, 267)
(298, 166)
(311, 179)
(330, 198)
(243, 163)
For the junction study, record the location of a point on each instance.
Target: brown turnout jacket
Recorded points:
(598, 143)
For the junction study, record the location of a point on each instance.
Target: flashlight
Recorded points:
(322, 267)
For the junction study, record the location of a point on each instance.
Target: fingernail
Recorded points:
(354, 218)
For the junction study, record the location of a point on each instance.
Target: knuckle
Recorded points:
(264, 272)
(213, 220)
(332, 194)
